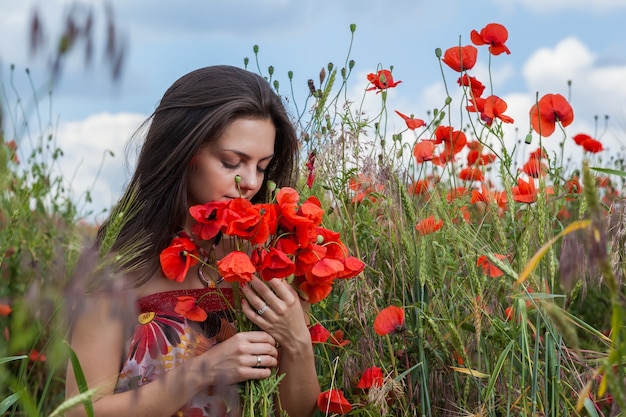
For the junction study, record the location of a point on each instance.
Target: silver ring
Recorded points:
(262, 310)
(258, 361)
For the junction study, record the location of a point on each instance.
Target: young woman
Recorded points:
(212, 125)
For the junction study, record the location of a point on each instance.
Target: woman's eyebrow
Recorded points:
(246, 156)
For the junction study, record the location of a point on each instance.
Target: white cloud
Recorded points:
(568, 60)
(94, 156)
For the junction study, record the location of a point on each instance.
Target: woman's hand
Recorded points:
(244, 356)
(276, 308)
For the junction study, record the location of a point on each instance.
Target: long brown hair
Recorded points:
(193, 112)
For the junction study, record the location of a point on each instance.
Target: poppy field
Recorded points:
(466, 284)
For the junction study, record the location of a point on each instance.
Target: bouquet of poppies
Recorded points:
(285, 240)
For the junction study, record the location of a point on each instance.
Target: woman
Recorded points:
(212, 125)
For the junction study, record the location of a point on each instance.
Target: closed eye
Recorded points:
(230, 166)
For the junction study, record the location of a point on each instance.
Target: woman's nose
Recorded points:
(248, 180)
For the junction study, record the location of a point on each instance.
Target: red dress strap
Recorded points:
(211, 300)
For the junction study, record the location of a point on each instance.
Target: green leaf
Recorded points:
(610, 171)
(12, 358)
(8, 402)
(81, 382)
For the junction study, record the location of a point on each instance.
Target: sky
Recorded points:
(92, 117)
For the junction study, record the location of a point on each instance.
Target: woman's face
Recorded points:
(245, 150)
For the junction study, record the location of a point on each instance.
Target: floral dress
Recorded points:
(164, 339)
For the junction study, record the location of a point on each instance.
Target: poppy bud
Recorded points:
(529, 138)
(319, 240)
(351, 64)
(322, 76)
(271, 185)
(290, 75)
(237, 179)
(352, 27)
(270, 70)
(330, 66)
(255, 48)
(438, 52)
(448, 100)
(246, 60)
(343, 73)
(276, 85)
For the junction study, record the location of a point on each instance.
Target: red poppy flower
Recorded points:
(424, 150)
(373, 376)
(319, 334)
(209, 219)
(461, 58)
(476, 87)
(12, 145)
(36, 356)
(337, 339)
(471, 174)
(573, 188)
(310, 166)
(313, 292)
(352, 266)
(287, 196)
(563, 214)
(236, 267)
(453, 140)
(178, 257)
(488, 268)
(252, 222)
(535, 168)
(275, 264)
(382, 80)
(419, 187)
(389, 319)
(5, 309)
(456, 193)
(495, 107)
(312, 210)
(494, 35)
(333, 401)
(539, 153)
(187, 306)
(550, 109)
(428, 225)
(474, 157)
(364, 189)
(411, 122)
(487, 196)
(325, 270)
(307, 257)
(508, 313)
(525, 192)
(588, 143)
(299, 220)
(335, 248)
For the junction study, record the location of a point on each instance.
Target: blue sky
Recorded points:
(551, 42)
